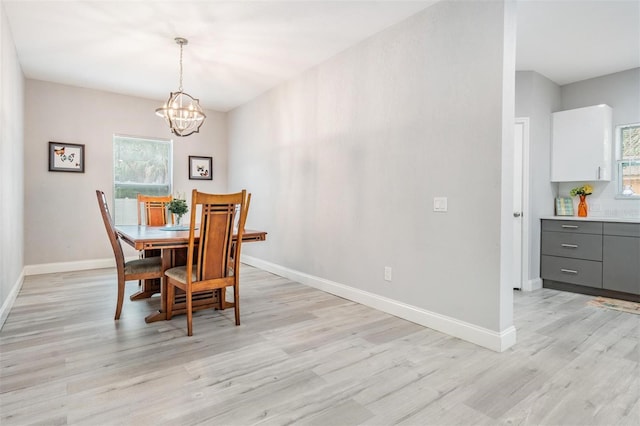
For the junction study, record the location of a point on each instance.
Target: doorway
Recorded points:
(521, 205)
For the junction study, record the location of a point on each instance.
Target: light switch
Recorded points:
(439, 204)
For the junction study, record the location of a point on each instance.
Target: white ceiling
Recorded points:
(574, 40)
(239, 49)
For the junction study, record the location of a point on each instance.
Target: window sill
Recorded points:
(627, 197)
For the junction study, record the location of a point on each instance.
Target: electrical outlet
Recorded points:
(387, 273)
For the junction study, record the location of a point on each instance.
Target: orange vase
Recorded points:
(582, 206)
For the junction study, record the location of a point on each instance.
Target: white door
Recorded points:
(520, 196)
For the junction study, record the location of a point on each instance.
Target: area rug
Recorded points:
(618, 305)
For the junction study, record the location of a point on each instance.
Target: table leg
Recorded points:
(161, 315)
(149, 288)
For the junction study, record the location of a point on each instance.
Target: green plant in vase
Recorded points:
(178, 207)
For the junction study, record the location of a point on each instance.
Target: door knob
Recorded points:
(517, 214)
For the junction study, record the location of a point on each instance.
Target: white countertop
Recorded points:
(595, 219)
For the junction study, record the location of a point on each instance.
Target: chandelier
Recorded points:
(182, 111)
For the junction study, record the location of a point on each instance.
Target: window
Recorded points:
(628, 155)
(139, 166)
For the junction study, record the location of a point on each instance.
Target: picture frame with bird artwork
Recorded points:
(66, 157)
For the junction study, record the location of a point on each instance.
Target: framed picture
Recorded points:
(200, 167)
(564, 206)
(66, 157)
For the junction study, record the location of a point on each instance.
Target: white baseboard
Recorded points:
(10, 300)
(531, 285)
(497, 341)
(81, 265)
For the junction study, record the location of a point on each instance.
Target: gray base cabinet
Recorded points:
(621, 257)
(591, 257)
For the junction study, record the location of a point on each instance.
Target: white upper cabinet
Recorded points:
(581, 144)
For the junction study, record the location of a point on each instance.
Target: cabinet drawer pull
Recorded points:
(570, 226)
(569, 271)
(569, 245)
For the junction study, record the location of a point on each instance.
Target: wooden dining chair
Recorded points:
(210, 261)
(155, 214)
(138, 269)
(155, 210)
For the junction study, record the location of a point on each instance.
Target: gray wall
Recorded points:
(344, 162)
(621, 91)
(62, 113)
(11, 169)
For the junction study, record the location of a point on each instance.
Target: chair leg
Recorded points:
(189, 311)
(120, 299)
(236, 303)
(171, 295)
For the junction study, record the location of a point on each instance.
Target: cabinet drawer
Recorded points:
(579, 246)
(573, 271)
(572, 226)
(621, 229)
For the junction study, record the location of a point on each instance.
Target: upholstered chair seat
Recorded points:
(142, 266)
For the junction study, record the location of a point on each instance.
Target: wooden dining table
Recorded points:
(172, 241)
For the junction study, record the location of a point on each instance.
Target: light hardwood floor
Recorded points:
(305, 357)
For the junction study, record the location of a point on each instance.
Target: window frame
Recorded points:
(116, 217)
(620, 161)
